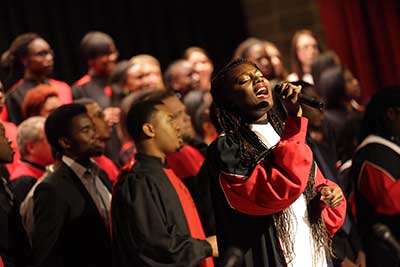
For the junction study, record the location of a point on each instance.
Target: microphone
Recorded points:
(303, 99)
(233, 258)
(383, 232)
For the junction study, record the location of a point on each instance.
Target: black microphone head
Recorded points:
(381, 231)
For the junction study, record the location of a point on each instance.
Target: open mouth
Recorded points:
(262, 92)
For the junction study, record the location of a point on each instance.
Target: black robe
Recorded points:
(375, 172)
(149, 227)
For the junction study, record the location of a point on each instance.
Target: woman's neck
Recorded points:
(29, 75)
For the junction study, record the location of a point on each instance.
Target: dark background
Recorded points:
(160, 28)
(364, 33)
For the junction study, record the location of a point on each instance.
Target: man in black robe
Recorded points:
(154, 219)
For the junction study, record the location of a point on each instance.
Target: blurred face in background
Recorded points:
(6, 151)
(182, 119)
(307, 49)
(104, 65)
(203, 66)
(258, 54)
(276, 60)
(40, 58)
(49, 105)
(353, 89)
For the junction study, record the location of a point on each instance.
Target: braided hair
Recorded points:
(252, 150)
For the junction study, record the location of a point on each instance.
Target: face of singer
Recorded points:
(250, 93)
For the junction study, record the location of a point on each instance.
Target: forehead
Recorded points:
(80, 121)
(242, 69)
(197, 56)
(162, 112)
(173, 103)
(305, 39)
(38, 44)
(134, 69)
(92, 108)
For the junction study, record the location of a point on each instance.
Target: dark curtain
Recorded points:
(366, 36)
(160, 28)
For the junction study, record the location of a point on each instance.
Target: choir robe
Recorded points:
(149, 225)
(246, 194)
(186, 164)
(16, 94)
(24, 177)
(93, 87)
(375, 172)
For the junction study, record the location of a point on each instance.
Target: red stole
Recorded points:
(186, 162)
(190, 211)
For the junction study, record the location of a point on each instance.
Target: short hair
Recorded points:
(188, 51)
(36, 98)
(58, 123)
(30, 130)
(138, 115)
(95, 44)
(118, 76)
(145, 58)
(332, 86)
(243, 48)
(171, 71)
(375, 112)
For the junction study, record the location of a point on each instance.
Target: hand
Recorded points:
(212, 240)
(332, 196)
(111, 115)
(361, 259)
(348, 263)
(289, 93)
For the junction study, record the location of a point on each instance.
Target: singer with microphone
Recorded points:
(376, 175)
(270, 199)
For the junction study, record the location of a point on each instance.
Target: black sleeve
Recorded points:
(142, 236)
(77, 92)
(14, 109)
(21, 187)
(49, 213)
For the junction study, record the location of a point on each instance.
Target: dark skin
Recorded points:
(83, 141)
(251, 98)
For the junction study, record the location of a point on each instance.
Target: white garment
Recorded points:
(266, 133)
(303, 241)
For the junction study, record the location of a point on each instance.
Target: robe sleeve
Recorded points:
(141, 232)
(274, 183)
(333, 217)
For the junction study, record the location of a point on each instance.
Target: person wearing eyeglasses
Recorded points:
(30, 55)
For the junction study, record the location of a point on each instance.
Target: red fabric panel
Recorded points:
(365, 36)
(186, 162)
(84, 79)
(380, 189)
(108, 166)
(190, 211)
(64, 91)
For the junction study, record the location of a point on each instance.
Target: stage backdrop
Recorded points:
(366, 36)
(160, 28)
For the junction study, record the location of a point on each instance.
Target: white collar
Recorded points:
(266, 133)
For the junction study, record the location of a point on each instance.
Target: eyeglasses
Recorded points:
(43, 53)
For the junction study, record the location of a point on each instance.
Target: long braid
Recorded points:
(251, 150)
(318, 228)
